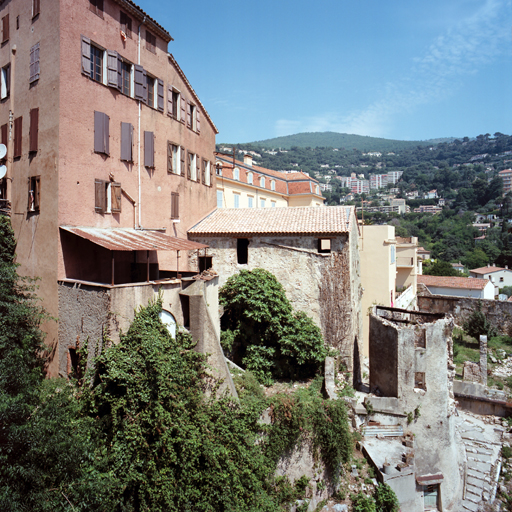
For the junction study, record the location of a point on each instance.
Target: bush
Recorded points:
(385, 499)
(477, 325)
(362, 503)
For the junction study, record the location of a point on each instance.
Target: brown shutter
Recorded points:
(5, 28)
(183, 161)
(126, 142)
(34, 128)
(175, 205)
(115, 189)
(149, 149)
(17, 136)
(160, 99)
(169, 101)
(211, 174)
(188, 165)
(106, 134)
(198, 120)
(86, 56)
(183, 106)
(34, 63)
(36, 8)
(99, 196)
(3, 130)
(169, 157)
(8, 79)
(112, 80)
(189, 116)
(98, 132)
(145, 87)
(139, 82)
(198, 169)
(37, 192)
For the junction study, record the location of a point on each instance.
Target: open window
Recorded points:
(324, 245)
(107, 196)
(419, 380)
(205, 263)
(242, 251)
(34, 193)
(173, 158)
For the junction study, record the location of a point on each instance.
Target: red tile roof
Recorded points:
(453, 282)
(486, 270)
(329, 220)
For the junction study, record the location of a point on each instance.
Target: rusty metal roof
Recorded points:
(127, 239)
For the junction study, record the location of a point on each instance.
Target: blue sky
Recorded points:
(396, 69)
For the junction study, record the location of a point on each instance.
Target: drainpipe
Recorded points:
(138, 148)
(10, 137)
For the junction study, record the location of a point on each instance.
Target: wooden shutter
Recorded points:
(37, 192)
(36, 8)
(100, 196)
(115, 189)
(169, 101)
(188, 165)
(5, 28)
(126, 142)
(96, 7)
(169, 157)
(18, 122)
(101, 132)
(183, 161)
(198, 169)
(112, 71)
(8, 79)
(160, 100)
(3, 131)
(139, 82)
(86, 56)
(203, 172)
(175, 205)
(106, 134)
(34, 129)
(198, 120)
(189, 116)
(211, 175)
(183, 106)
(149, 149)
(144, 87)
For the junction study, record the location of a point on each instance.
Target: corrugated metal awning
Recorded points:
(127, 239)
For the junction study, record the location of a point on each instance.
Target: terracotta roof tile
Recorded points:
(331, 220)
(453, 282)
(486, 270)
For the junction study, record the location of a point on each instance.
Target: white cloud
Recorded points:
(462, 50)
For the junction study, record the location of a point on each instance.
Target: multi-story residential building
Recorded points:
(428, 208)
(394, 176)
(407, 262)
(244, 185)
(110, 155)
(378, 181)
(506, 176)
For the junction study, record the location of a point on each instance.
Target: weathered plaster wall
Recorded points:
(383, 358)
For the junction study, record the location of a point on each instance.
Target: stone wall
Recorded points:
(498, 312)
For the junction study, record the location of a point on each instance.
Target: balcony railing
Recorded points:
(404, 261)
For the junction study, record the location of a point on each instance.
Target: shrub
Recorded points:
(477, 324)
(385, 499)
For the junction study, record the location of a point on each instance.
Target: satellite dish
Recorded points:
(3, 171)
(3, 151)
(169, 321)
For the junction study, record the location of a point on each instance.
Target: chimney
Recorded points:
(248, 160)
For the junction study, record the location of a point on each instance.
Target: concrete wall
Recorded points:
(383, 357)
(486, 293)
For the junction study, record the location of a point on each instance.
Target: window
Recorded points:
(17, 22)
(207, 173)
(149, 149)
(150, 87)
(34, 63)
(173, 158)
(126, 24)
(262, 182)
(5, 28)
(420, 340)
(107, 196)
(126, 78)
(127, 142)
(324, 245)
(34, 129)
(273, 185)
(192, 117)
(242, 251)
(155, 92)
(393, 250)
(250, 201)
(18, 122)
(249, 178)
(205, 263)
(175, 205)
(236, 173)
(150, 42)
(36, 8)
(101, 133)
(218, 169)
(5, 84)
(501, 279)
(262, 203)
(192, 167)
(236, 198)
(34, 193)
(317, 190)
(182, 161)
(173, 103)
(96, 6)
(419, 380)
(273, 204)
(219, 198)
(96, 59)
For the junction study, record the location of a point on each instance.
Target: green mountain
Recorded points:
(342, 140)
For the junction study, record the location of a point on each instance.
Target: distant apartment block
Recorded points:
(358, 185)
(506, 176)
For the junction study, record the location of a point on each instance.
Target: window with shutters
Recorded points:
(149, 149)
(5, 28)
(192, 171)
(126, 24)
(126, 142)
(101, 133)
(150, 87)
(34, 63)
(173, 103)
(5, 82)
(150, 42)
(192, 117)
(18, 123)
(175, 205)
(96, 6)
(36, 8)
(96, 59)
(173, 158)
(34, 193)
(107, 196)
(126, 78)
(34, 129)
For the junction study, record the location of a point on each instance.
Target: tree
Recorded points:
(262, 332)
(441, 268)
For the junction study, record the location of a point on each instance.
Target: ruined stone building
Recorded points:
(110, 159)
(313, 252)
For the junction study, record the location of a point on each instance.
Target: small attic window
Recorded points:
(324, 245)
